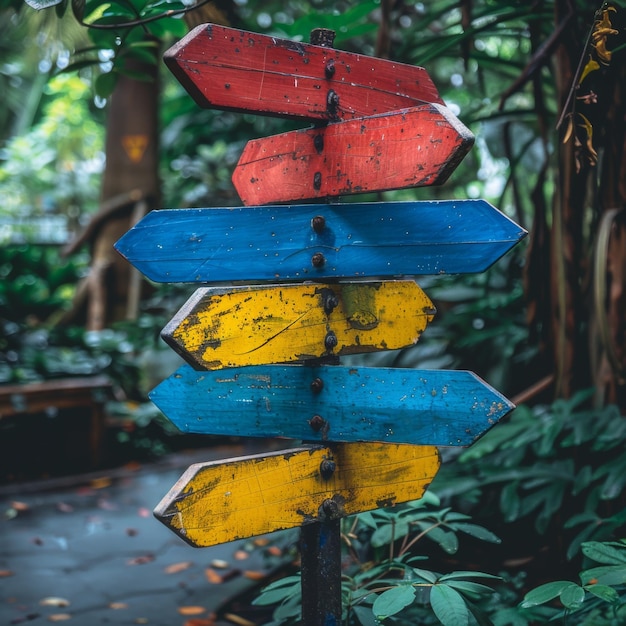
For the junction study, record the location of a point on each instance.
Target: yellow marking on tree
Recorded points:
(135, 146)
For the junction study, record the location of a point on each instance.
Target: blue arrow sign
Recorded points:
(310, 242)
(332, 403)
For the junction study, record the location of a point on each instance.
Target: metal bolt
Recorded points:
(318, 142)
(317, 384)
(330, 341)
(317, 422)
(332, 101)
(322, 37)
(330, 509)
(318, 223)
(317, 181)
(327, 468)
(331, 301)
(329, 70)
(318, 260)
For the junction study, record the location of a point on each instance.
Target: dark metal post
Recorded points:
(320, 552)
(320, 541)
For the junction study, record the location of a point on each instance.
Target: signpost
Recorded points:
(221, 501)
(407, 148)
(332, 403)
(308, 283)
(321, 242)
(220, 327)
(230, 69)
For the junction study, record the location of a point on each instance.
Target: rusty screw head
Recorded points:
(318, 260)
(327, 468)
(329, 70)
(332, 101)
(318, 224)
(330, 341)
(330, 509)
(317, 181)
(317, 384)
(331, 302)
(317, 422)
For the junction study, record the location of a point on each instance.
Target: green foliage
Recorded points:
(381, 578)
(599, 599)
(562, 465)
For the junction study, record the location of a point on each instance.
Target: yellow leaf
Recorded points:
(174, 568)
(54, 601)
(191, 610)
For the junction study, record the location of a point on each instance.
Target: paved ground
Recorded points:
(87, 550)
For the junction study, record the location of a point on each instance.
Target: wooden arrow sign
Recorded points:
(221, 501)
(407, 148)
(333, 403)
(306, 242)
(219, 328)
(235, 70)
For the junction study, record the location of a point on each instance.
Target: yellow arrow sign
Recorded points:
(220, 327)
(221, 501)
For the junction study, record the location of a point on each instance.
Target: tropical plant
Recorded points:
(383, 578)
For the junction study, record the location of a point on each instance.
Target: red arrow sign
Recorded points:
(236, 70)
(407, 148)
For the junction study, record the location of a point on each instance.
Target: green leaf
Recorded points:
(477, 531)
(604, 553)
(605, 575)
(105, 84)
(393, 601)
(448, 605)
(572, 597)
(544, 593)
(447, 540)
(388, 532)
(604, 592)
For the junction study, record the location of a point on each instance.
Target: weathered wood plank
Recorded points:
(333, 403)
(227, 327)
(321, 242)
(231, 69)
(221, 501)
(407, 148)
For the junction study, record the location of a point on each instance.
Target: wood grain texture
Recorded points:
(278, 243)
(221, 501)
(407, 148)
(236, 70)
(429, 407)
(219, 328)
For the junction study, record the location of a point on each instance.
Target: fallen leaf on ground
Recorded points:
(19, 506)
(240, 555)
(174, 568)
(5, 573)
(59, 617)
(143, 512)
(261, 541)
(219, 564)
(274, 551)
(107, 505)
(100, 483)
(254, 575)
(191, 610)
(118, 605)
(199, 621)
(212, 576)
(64, 507)
(237, 619)
(54, 601)
(140, 560)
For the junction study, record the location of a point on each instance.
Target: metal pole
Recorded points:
(320, 552)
